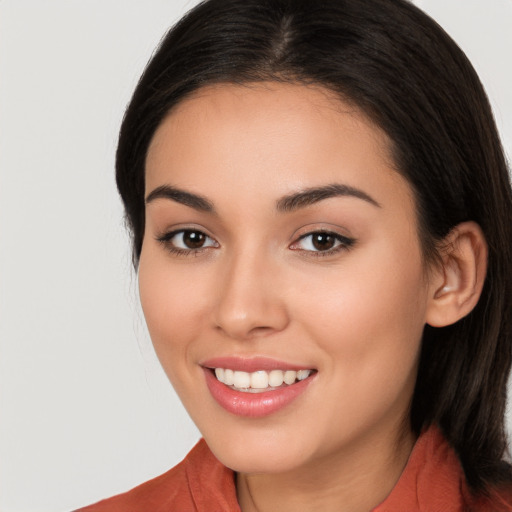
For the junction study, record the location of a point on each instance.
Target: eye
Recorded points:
(322, 242)
(187, 240)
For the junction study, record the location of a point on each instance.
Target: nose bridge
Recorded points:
(247, 303)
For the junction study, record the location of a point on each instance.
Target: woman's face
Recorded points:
(279, 238)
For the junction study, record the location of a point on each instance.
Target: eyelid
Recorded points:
(342, 242)
(172, 229)
(166, 237)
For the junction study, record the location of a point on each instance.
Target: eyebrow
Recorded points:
(181, 196)
(288, 203)
(314, 195)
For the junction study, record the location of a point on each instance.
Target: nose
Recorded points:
(249, 301)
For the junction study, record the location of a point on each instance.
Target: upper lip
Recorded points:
(252, 364)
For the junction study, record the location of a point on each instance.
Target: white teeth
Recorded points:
(259, 380)
(290, 376)
(276, 378)
(242, 380)
(229, 377)
(303, 374)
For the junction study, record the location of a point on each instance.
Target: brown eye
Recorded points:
(322, 241)
(193, 239)
(187, 240)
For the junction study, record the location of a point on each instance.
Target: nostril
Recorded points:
(261, 331)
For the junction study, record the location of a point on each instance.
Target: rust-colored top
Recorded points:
(432, 481)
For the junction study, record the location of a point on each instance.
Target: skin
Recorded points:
(255, 288)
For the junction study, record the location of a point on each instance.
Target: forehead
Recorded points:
(288, 97)
(253, 136)
(297, 108)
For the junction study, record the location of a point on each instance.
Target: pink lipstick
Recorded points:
(255, 387)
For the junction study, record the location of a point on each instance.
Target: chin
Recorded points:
(267, 453)
(258, 462)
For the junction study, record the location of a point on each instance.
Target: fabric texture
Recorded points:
(432, 481)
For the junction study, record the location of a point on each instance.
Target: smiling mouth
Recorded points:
(255, 387)
(261, 380)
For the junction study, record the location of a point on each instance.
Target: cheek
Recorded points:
(371, 318)
(173, 305)
(369, 328)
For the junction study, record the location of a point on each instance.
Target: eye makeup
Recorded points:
(321, 243)
(186, 242)
(317, 243)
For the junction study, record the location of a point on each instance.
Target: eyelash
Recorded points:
(166, 238)
(343, 243)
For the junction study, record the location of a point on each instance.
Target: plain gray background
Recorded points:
(85, 410)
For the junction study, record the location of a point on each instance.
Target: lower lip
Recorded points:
(253, 405)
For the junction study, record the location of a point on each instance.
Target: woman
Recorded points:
(321, 218)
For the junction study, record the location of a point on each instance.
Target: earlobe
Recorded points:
(457, 282)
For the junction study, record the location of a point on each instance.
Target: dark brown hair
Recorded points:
(401, 69)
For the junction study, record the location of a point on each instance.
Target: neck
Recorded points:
(354, 479)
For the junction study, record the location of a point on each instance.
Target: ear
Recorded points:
(457, 282)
